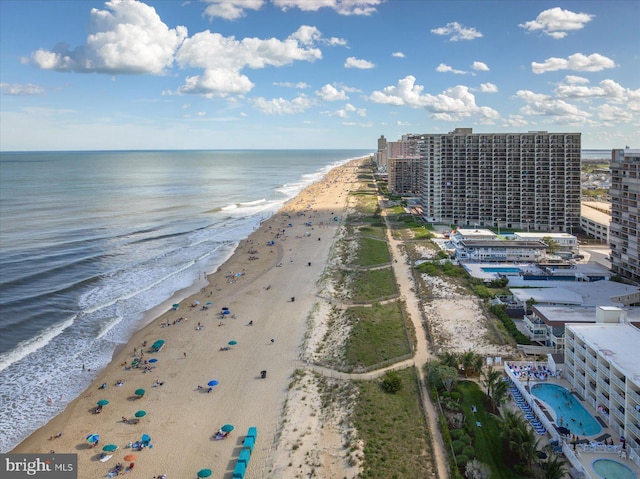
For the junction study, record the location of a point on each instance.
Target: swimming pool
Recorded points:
(569, 412)
(606, 468)
(499, 269)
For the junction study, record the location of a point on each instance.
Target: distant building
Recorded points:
(381, 155)
(625, 213)
(509, 180)
(482, 245)
(595, 218)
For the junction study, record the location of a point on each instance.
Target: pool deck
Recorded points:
(590, 448)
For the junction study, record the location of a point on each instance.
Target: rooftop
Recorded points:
(617, 342)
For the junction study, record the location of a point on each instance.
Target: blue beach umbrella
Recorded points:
(213, 382)
(93, 438)
(233, 342)
(102, 402)
(227, 428)
(110, 448)
(140, 414)
(204, 472)
(154, 360)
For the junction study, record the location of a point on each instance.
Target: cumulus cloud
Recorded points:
(456, 32)
(353, 62)
(453, 104)
(608, 89)
(223, 59)
(557, 22)
(230, 9)
(539, 104)
(515, 121)
(480, 66)
(573, 79)
(488, 88)
(578, 62)
(443, 68)
(342, 7)
(127, 37)
(398, 55)
(21, 89)
(300, 85)
(280, 106)
(331, 93)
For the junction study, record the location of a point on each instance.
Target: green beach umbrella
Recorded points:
(110, 448)
(103, 402)
(227, 428)
(233, 342)
(141, 413)
(139, 392)
(204, 472)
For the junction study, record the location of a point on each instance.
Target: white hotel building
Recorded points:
(602, 363)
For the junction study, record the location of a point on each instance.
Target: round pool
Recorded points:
(570, 413)
(607, 468)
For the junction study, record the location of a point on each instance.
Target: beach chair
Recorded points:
(253, 432)
(239, 471)
(248, 443)
(245, 456)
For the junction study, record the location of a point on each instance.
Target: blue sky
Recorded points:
(217, 74)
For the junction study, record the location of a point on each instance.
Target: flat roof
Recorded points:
(475, 232)
(617, 342)
(595, 215)
(529, 235)
(491, 243)
(553, 315)
(591, 293)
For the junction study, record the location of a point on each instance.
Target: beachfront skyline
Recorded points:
(312, 74)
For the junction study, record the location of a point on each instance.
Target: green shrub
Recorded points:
(468, 451)
(457, 433)
(458, 446)
(391, 383)
(510, 326)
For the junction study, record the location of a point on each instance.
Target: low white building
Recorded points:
(482, 245)
(565, 241)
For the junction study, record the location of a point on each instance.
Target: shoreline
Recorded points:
(258, 282)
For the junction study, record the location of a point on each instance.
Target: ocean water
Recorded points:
(90, 241)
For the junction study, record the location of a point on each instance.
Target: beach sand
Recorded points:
(257, 284)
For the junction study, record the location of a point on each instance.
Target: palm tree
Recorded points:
(491, 379)
(554, 468)
(519, 438)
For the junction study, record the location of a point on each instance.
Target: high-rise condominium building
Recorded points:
(625, 200)
(508, 180)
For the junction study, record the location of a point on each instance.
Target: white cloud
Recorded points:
(127, 37)
(342, 7)
(457, 32)
(331, 93)
(21, 89)
(614, 114)
(453, 104)
(573, 79)
(402, 123)
(556, 22)
(300, 85)
(223, 58)
(230, 9)
(480, 66)
(201, 113)
(280, 106)
(578, 62)
(442, 68)
(398, 55)
(538, 104)
(515, 121)
(353, 62)
(488, 88)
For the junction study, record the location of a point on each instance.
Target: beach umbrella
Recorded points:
(139, 392)
(204, 472)
(213, 382)
(224, 308)
(153, 360)
(140, 414)
(93, 438)
(110, 448)
(145, 438)
(208, 303)
(227, 428)
(130, 457)
(103, 402)
(176, 305)
(233, 342)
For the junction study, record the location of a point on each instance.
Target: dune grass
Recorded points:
(377, 334)
(372, 252)
(393, 428)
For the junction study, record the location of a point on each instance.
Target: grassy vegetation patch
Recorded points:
(392, 426)
(487, 444)
(377, 334)
(373, 228)
(372, 252)
(369, 285)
